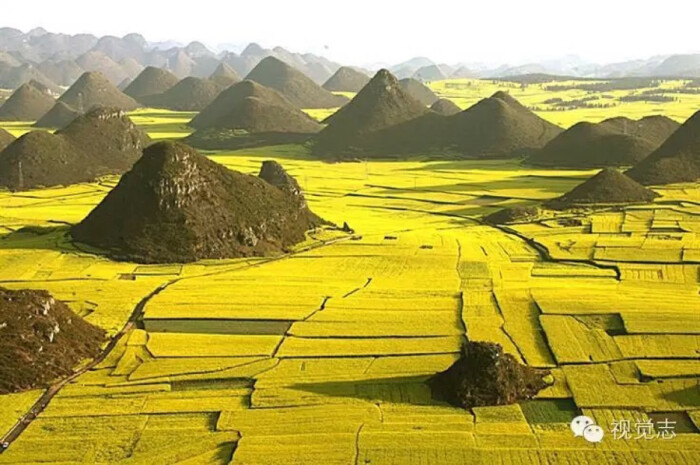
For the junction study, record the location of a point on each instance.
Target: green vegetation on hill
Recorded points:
(613, 142)
(418, 91)
(103, 141)
(293, 84)
(5, 139)
(495, 127)
(190, 94)
(151, 81)
(254, 108)
(676, 160)
(59, 116)
(381, 104)
(445, 107)
(224, 75)
(608, 187)
(192, 208)
(248, 114)
(346, 79)
(28, 103)
(92, 89)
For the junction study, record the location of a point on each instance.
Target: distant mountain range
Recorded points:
(667, 66)
(57, 60)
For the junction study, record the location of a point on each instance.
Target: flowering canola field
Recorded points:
(321, 356)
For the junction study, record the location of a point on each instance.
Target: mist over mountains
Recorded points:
(57, 60)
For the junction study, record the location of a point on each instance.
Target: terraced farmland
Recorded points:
(320, 356)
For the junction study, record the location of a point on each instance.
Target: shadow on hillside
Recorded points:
(412, 390)
(553, 186)
(459, 165)
(282, 152)
(518, 185)
(230, 140)
(688, 397)
(38, 237)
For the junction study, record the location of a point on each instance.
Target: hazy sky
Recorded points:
(366, 31)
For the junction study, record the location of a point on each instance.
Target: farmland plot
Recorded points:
(321, 356)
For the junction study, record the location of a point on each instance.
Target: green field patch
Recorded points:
(217, 326)
(695, 417)
(549, 411)
(682, 424)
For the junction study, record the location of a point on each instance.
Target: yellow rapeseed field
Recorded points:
(321, 356)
